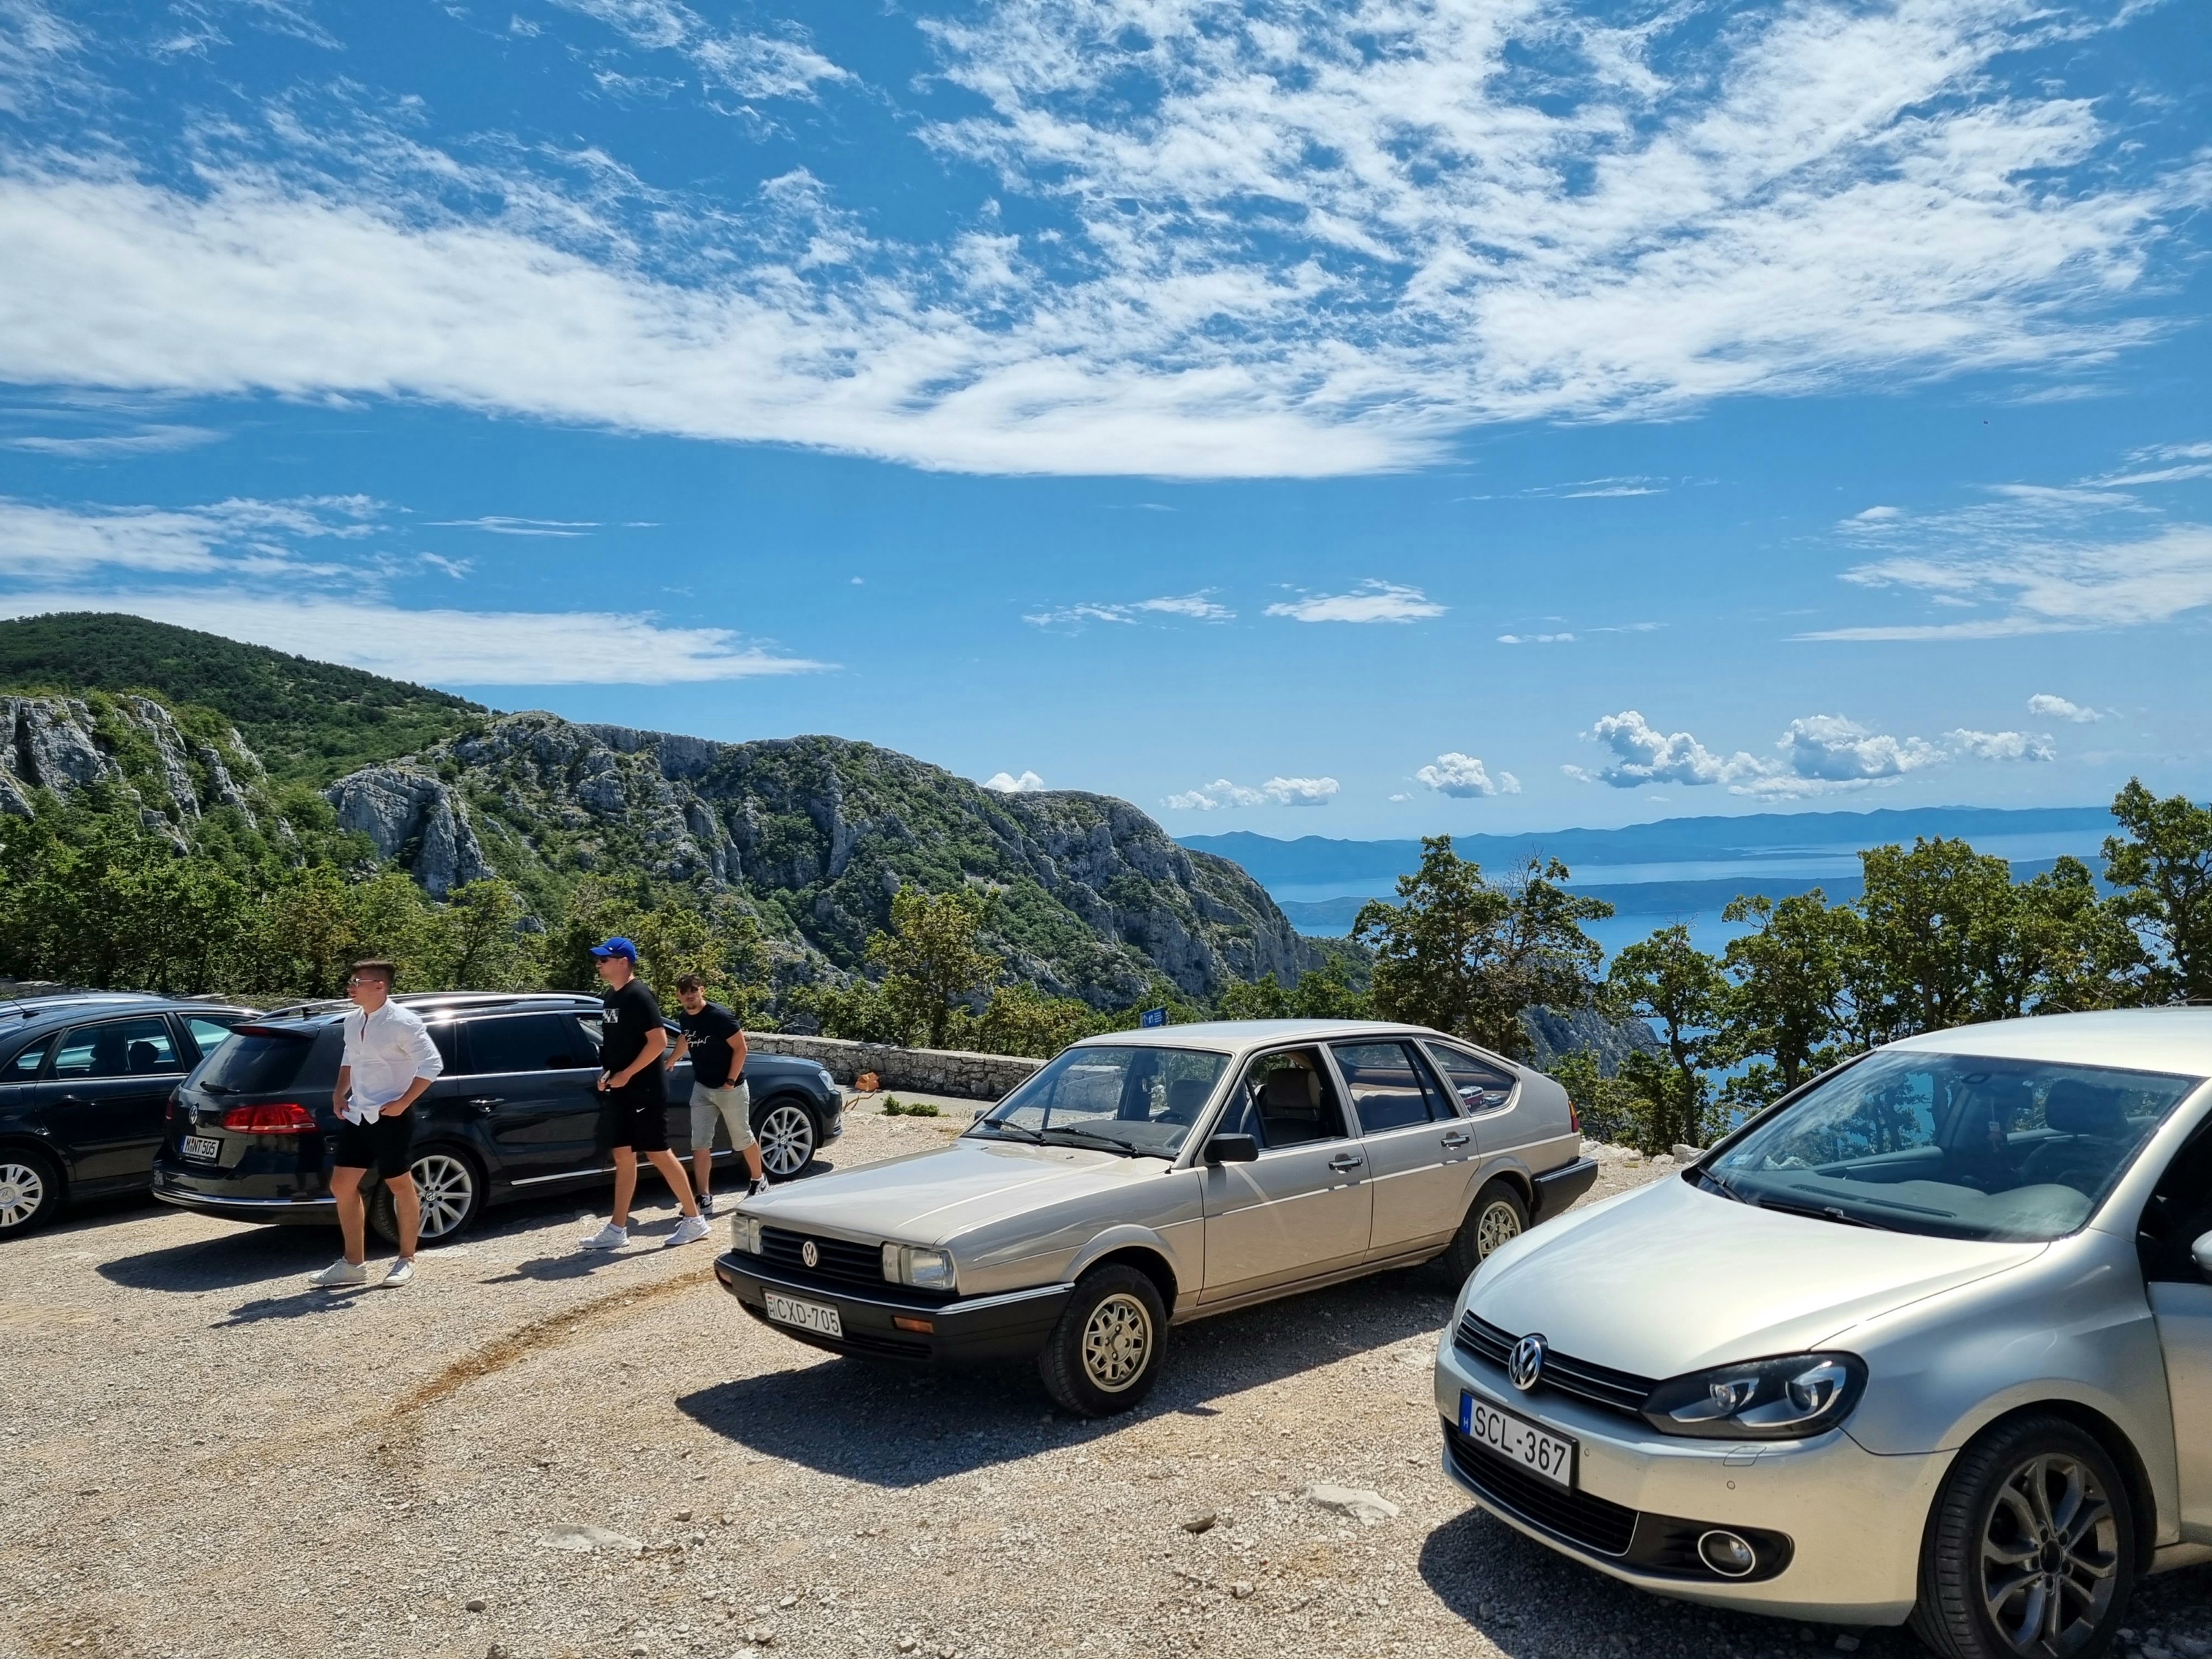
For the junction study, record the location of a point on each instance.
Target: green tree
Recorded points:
(2162, 863)
(1263, 997)
(1021, 1019)
(1466, 955)
(477, 942)
(1611, 1107)
(1791, 999)
(1680, 990)
(933, 959)
(1939, 921)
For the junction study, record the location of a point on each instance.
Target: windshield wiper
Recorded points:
(1720, 1184)
(999, 1125)
(1823, 1212)
(1083, 1137)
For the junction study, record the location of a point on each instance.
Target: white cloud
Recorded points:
(1007, 784)
(1273, 240)
(1370, 602)
(1401, 797)
(2166, 464)
(237, 537)
(1462, 775)
(1196, 607)
(448, 647)
(1541, 639)
(1819, 754)
(2052, 706)
(1221, 793)
(147, 441)
(499, 525)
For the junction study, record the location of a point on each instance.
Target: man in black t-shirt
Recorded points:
(711, 1036)
(636, 1109)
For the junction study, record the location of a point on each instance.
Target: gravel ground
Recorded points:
(202, 1458)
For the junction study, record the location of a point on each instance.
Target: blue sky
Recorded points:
(1355, 420)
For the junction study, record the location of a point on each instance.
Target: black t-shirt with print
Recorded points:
(630, 1013)
(710, 1031)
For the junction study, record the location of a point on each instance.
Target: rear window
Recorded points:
(257, 1062)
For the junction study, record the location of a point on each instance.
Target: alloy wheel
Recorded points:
(2050, 1556)
(447, 1189)
(1499, 1225)
(786, 1140)
(23, 1191)
(1117, 1340)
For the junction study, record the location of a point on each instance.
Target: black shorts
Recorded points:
(637, 1117)
(383, 1145)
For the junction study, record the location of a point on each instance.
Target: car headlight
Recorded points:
(744, 1234)
(926, 1270)
(828, 1082)
(1785, 1398)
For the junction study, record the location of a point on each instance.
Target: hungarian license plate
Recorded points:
(1535, 1450)
(206, 1147)
(805, 1316)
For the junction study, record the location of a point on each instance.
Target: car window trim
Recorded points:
(177, 1068)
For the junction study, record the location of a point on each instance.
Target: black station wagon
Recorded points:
(517, 1113)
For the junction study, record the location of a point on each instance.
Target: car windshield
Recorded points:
(1140, 1100)
(1959, 1145)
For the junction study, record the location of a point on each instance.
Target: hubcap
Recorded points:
(447, 1189)
(1116, 1341)
(2050, 1555)
(786, 1140)
(1498, 1225)
(23, 1189)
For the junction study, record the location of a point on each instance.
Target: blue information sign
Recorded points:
(1154, 1017)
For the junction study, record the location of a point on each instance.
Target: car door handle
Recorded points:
(485, 1103)
(1346, 1161)
(1455, 1138)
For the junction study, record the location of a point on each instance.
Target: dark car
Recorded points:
(85, 1081)
(516, 1114)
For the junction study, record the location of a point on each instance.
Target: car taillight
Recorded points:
(1574, 1118)
(285, 1118)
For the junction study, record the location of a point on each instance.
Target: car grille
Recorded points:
(1592, 1522)
(1595, 1385)
(840, 1264)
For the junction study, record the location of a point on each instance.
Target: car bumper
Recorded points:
(1557, 1189)
(1850, 1522)
(1012, 1326)
(238, 1208)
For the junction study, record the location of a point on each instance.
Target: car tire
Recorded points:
(2030, 1552)
(1499, 1215)
(1104, 1356)
(31, 1192)
(450, 1184)
(790, 1133)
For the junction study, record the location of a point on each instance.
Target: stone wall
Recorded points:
(925, 1071)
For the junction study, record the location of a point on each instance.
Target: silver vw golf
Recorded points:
(1928, 1342)
(1152, 1177)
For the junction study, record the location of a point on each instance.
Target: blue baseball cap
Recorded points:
(617, 946)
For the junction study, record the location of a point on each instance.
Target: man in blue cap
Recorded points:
(631, 1053)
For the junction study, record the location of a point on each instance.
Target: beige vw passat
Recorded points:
(1150, 1178)
(1930, 1341)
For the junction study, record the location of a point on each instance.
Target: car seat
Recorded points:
(111, 1055)
(2095, 1129)
(1186, 1100)
(1290, 1107)
(144, 1057)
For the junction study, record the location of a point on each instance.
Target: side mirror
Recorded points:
(1244, 1149)
(2201, 1250)
(980, 1113)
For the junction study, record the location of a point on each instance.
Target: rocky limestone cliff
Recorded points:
(818, 833)
(64, 745)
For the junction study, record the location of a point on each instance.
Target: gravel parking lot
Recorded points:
(203, 1457)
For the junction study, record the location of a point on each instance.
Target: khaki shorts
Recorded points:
(734, 1101)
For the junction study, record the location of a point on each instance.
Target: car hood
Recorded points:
(926, 1198)
(1671, 1279)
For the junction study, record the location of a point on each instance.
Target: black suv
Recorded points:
(85, 1081)
(517, 1113)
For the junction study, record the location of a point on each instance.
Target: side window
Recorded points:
(1387, 1086)
(2178, 1214)
(120, 1048)
(1285, 1099)
(207, 1035)
(1481, 1086)
(525, 1042)
(593, 1031)
(25, 1065)
(446, 1038)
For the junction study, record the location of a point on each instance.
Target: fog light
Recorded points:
(920, 1326)
(1727, 1554)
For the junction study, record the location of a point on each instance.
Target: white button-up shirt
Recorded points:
(384, 1053)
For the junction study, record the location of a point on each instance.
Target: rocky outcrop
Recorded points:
(1091, 898)
(64, 745)
(1553, 1032)
(414, 819)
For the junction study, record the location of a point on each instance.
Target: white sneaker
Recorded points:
(403, 1272)
(689, 1230)
(340, 1274)
(608, 1237)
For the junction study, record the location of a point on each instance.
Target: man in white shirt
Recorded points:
(389, 1061)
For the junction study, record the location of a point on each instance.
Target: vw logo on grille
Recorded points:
(1525, 1365)
(809, 1255)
